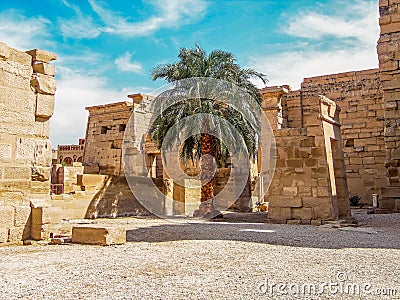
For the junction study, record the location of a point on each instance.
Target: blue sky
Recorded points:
(106, 49)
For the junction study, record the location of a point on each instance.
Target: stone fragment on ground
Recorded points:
(98, 235)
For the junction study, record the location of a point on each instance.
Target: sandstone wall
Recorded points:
(359, 94)
(67, 154)
(106, 129)
(309, 184)
(104, 135)
(27, 88)
(389, 60)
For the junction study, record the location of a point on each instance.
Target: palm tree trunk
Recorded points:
(207, 174)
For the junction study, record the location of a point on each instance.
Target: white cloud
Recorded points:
(329, 49)
(170, 14)
(291, 67)
(78, 27)
(75, 91)
(124, 63)
(357, 19)
(21, 32)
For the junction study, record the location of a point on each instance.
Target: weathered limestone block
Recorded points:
(4, 51)
(44, 68)
(13, 79)
(17, 234)
(44, 218)
(285, 201)
(6, 216)
(38, 232)
(302, 213)
(5, 152)
(42, 55)
(44, 106)
(22, 216)
(46, 215)
(20, 172)
(89, 180)
(4, 234)
(20, 57)
(24, 150)
(44, 84)
(10, 102)
(16, 69)
(98, 235)
(323, 213)
(41, 129)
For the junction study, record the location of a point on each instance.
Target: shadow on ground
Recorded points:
(271, 234)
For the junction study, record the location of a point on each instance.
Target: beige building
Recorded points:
(68, 154)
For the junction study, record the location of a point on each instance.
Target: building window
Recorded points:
(349, 143)
(68, 161)
(104, 129)
(122, 127)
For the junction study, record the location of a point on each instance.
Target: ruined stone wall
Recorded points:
(309, 184)
(359, 95)
(106, 129)
(104, 136)
(389, 60)
(27, 88)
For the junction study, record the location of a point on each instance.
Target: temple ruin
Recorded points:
(337, 136)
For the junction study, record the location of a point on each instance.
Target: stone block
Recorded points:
(44, 106)
(323, 213)
(320, 192)
(6, 216)
(314, 130)
(98, 235)
(38, 232)
(22, 216)
(283, 201)
(44, 84)
(295, 163)
(42, 55)
(290, 191)
(5, 152)
(316, 202)
(44, 68)
(18, 234)
(20, 57)
(302, 213)
(279, 213)
(293, 222)
(91, 180)
(4, 234)
(17, 173)
(316, 222)
(46, 215)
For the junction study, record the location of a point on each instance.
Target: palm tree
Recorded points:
(221, 65)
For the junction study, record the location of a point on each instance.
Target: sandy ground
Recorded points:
(190, 259)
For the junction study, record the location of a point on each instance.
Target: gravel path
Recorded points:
(202, 260)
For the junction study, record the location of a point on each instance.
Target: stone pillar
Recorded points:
(309, 184)
(274, 105)
(27, 88)
(389, 58)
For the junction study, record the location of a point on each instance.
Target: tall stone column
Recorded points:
(389, 59)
